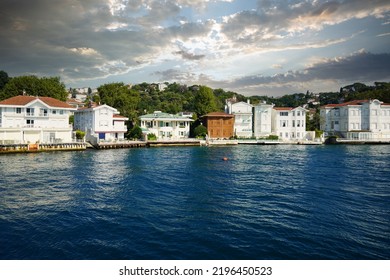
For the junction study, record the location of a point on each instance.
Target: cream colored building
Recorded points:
(29, 119)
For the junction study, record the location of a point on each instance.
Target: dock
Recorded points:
(47, 147)
(120, 145)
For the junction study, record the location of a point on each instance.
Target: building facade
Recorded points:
(29, 119)
(289, 123)
(262, 120)
(358, 119)
(243, 118)
(100, 124)
(166, 126)
(219, 125)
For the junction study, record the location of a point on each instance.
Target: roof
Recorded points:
(160, 115)
(283, 108)
(23, 100)
(350, 103)
(119, 117)
(219, 114)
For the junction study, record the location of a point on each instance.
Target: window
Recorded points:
(299, 113)
(18, 110)
(293, 123)
(283, 114)
(30, 123)
(30, 111)
(283, 123)
(43, 112)
(298, 123)
(61, 112)
(54, 112)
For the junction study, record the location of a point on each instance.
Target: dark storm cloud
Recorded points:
(77, 39)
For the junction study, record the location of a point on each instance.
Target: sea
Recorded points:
(283, 202)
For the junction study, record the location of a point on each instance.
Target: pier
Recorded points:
(34, 148)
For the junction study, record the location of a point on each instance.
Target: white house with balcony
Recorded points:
(243, 117)
(262, 120)
(289, 123)
(166, 126)
(357, 119)
(100, 124)
(29, 119)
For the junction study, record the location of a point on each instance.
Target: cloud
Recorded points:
(190, 56)
(84, 40)
(361, 66)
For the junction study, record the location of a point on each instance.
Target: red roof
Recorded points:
(350, 103)
(22, 100)
(219, 114)
(283, 108)
(119, 117)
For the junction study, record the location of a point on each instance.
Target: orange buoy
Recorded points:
(225, 158)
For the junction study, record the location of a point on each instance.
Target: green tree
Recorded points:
(3, 79)
(204, 101)
(34, 86)
(135, 133)
(121, 97)
(200, 130)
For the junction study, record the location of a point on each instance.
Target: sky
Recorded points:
(252, 47)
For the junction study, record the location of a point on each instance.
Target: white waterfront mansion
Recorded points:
(101, 124)
(166, 126)
(262, 120)
(357, 120)
(29, 119)
(243, 118)
(289, 123)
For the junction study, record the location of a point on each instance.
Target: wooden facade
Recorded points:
(219, 125)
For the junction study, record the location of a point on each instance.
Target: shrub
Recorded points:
(80, 134)
(152, 136)
(200, 130)
(135, 133)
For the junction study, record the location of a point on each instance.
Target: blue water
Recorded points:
(265, 202)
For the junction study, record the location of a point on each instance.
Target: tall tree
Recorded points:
(204, 101)
(3, 79)
(32, 85)
(121, 97)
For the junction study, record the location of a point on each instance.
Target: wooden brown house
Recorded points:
(219, 125)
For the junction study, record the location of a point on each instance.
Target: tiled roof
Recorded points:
(119, 117)
(22, 100)
(161, 115)
(350, 103)
(283, 108)
(219, 114)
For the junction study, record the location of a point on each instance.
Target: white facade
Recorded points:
(101, 124)
(29, 119)
(289, 123)
(262, 120)
(358, 119)
(243, 118)
(166, 126)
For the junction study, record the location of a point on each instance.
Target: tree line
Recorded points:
(134, 101)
